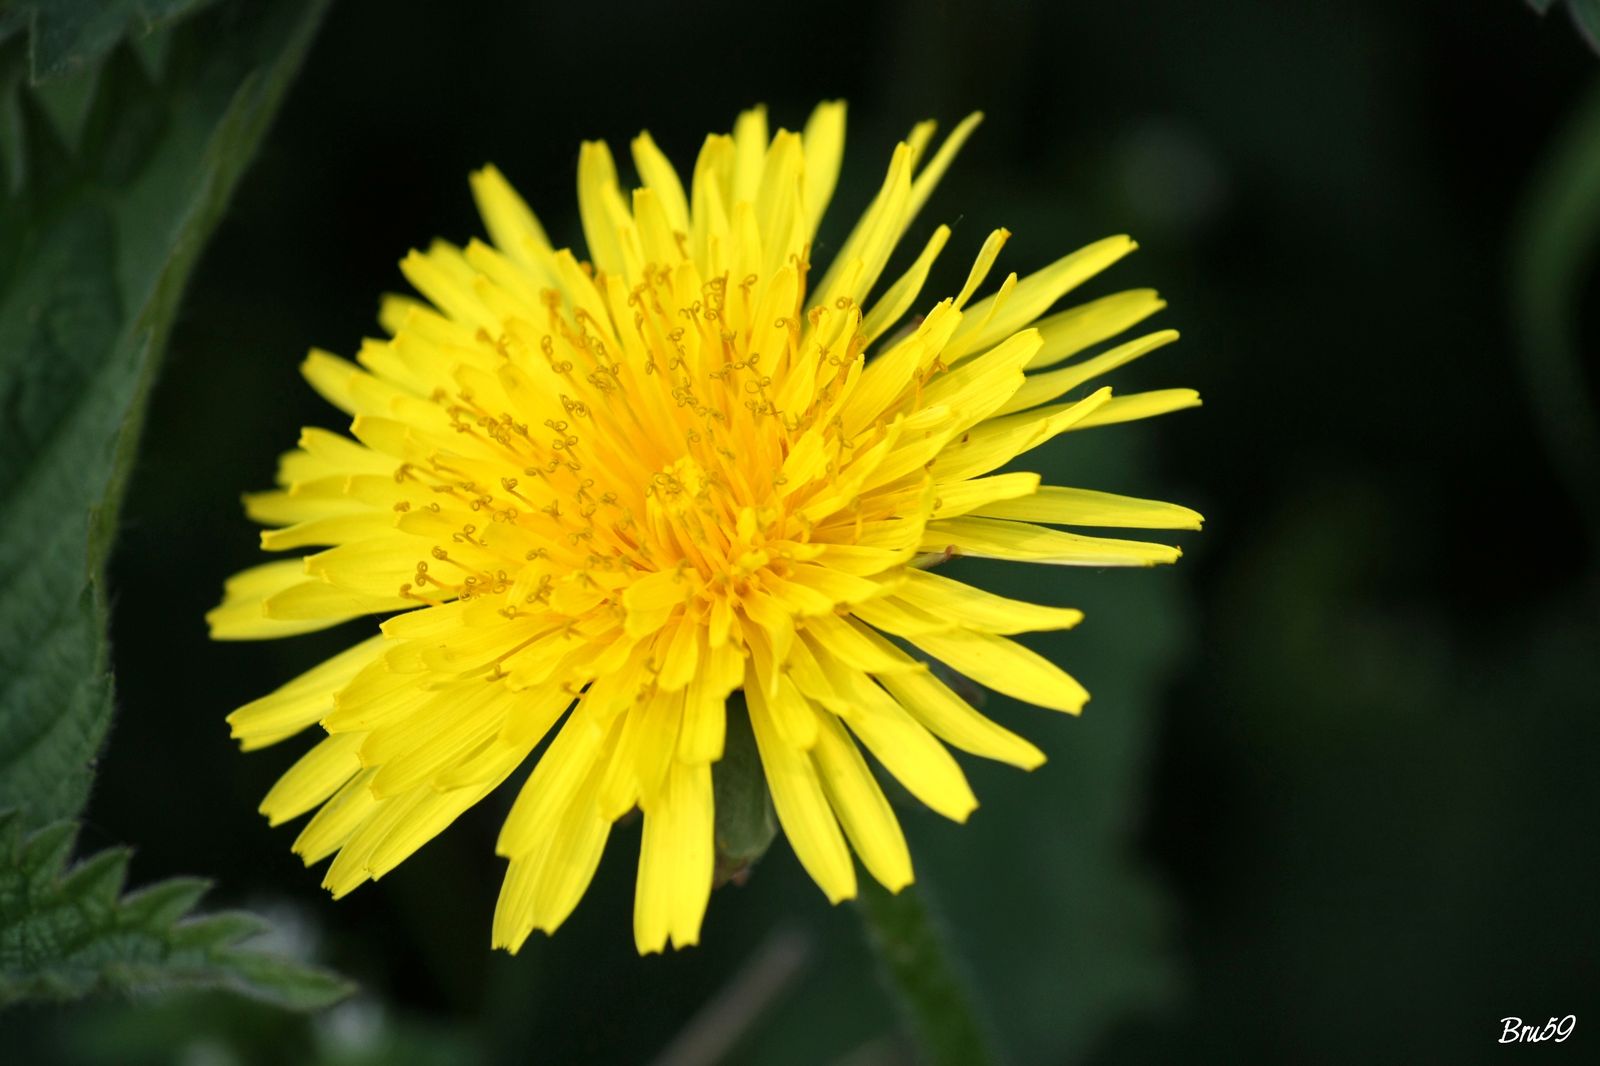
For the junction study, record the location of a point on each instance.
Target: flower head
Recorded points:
(596, 498)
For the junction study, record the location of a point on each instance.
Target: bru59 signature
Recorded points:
(1557, 1029)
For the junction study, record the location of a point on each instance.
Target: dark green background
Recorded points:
(1335, 796)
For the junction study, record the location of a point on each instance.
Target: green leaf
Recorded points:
(94, 252)
(67, 37)
(116, 184)
(67, 933)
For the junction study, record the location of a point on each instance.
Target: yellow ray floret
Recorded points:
(598, 497)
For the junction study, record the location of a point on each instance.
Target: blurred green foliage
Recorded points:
(1557, 236)
(65, 935)
(1333, 799)
(113, 196)
(1585, 16)
(70, 37)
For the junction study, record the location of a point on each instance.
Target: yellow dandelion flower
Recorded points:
(597, 498)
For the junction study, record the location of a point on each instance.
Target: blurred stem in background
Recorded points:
(768, 975)
(921, 970)
(1556, 234)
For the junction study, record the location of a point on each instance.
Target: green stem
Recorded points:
(922, 970)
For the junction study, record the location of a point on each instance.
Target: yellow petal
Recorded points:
(303, 701)
(515, 908)
(705, 705)
(963, 497)
(709, 192)
(906, 749)
(1063, 506)
(600, 206)
(1139, 405)
(824, 150)
(280, 508)
(661, 719)
(999, 440)
(976, 609)
(568, 865)
(433, 273)
(1033, 296)
(779, 212)
(513, 227)
(332, 453)
(318, 774)
(334, 529)
(1042, 388)
(803, 810)
(438, 736)
(749, 148)
(992, 538)
(432, 815)
(660, 177)
(928, 178)
(561, 770)
(978, 387)
(331, 826)
(680, 658)
(349, 869)
(242, 614)
(792, 714)
(832, 637)
(545, 881)
(618, 789)
(874, 237)
(330, 376)
(931, 702)
(899, 297)
(374, 566)
(321, 603)
(861, 807)
(376, 694)
(982, 265)
(676, 860)
(893, 615)
(1006, 666)
(1069, 332)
